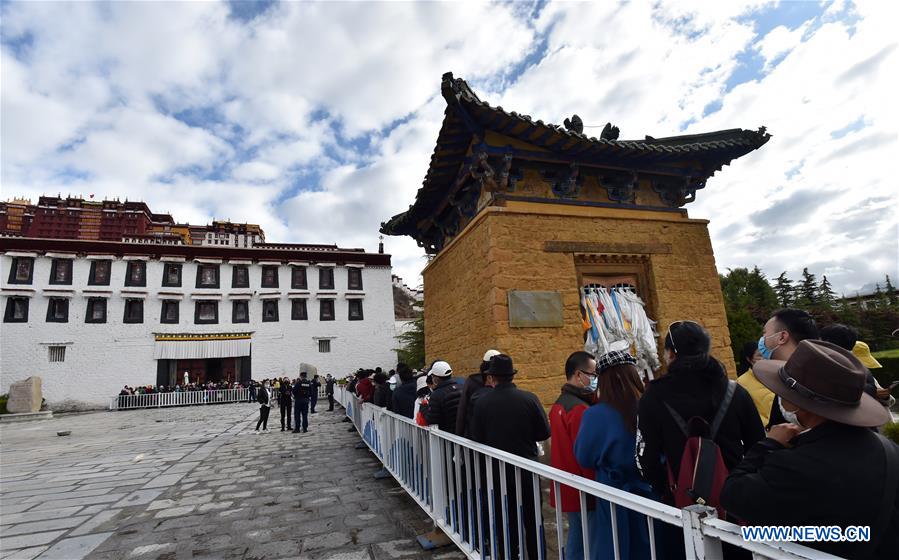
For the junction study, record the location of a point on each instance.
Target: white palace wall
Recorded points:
(101, 358)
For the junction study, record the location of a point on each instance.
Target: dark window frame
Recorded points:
(166, 304)
(169, 267)
(216, 284)
(92, 275)
(351, 303)
(54, 269)
(353, 271)
(215, 306)
(88, 314)
(273, 304)
(322, 277)
(51, 317)
(130, 302)
(15, 266)
(246, 283)
(265, 284)
(299, 310)
(139, 265)
(298, 280)
(9, 315)
(240, 303)
(321, 309)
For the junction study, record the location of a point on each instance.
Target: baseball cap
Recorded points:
(441, 369)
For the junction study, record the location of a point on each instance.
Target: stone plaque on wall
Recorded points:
(535, 309)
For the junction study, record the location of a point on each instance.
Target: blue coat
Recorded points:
(605, 445)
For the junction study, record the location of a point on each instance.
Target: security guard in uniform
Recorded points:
(302, 391)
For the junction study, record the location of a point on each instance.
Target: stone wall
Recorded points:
(466, 286)
(459, 322)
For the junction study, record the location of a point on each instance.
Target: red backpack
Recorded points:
(702, 470)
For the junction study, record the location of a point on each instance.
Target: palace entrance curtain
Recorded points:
(200, 349)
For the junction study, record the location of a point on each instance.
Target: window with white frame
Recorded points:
(324, 346)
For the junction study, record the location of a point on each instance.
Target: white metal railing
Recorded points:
(187, 398)
(182, 398)
(489, 502)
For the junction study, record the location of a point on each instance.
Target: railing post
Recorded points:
(697, 544)
(437, 482)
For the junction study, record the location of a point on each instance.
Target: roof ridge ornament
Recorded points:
(609, 132)
(575, 124)
(457, 87)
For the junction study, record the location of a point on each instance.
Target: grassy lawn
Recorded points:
(894, 353)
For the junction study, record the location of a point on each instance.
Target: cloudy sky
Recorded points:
(317, 121)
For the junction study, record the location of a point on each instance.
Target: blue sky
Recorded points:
(317, 121)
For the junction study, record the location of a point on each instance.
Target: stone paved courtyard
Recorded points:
(197, 482)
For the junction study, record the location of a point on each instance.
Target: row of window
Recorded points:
(58, 353)
(206, 312)
(22, 272)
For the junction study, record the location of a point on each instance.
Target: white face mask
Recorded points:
(789, 416)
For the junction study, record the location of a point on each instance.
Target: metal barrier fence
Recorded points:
(188, 398)
(489, 502)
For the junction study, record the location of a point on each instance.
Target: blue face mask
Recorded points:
(594, 383)
(764, 351)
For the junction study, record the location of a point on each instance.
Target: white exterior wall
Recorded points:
(101, 358)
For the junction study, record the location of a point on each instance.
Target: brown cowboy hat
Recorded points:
(825, 379)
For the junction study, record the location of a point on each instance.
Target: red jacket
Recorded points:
(564, 423)
(365, 389)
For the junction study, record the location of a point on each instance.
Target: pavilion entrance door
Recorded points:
(595, 271)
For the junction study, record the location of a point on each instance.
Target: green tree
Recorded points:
(890, 291)
(807, 292)
(762, 297)
(783, 287)
(748, 301)
(826, 296)
(880, 302)
(412, 344)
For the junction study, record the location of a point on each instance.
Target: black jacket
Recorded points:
(382, 396)
(404, 399)
(302, 389)
(262, 396)
(510, 419)
(833, 475)
(329, 386)
(472, 390)
(443, 405)
(694, 386)
(284, 394)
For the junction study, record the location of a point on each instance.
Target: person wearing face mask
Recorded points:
(780, 337)
(578, 394)
(823, 467)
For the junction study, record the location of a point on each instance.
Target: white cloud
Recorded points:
(318, 120)
(780, 41)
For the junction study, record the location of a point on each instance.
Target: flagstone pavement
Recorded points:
(197, 482)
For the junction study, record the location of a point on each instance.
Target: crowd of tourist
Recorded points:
(793, 442)
(150, 389)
